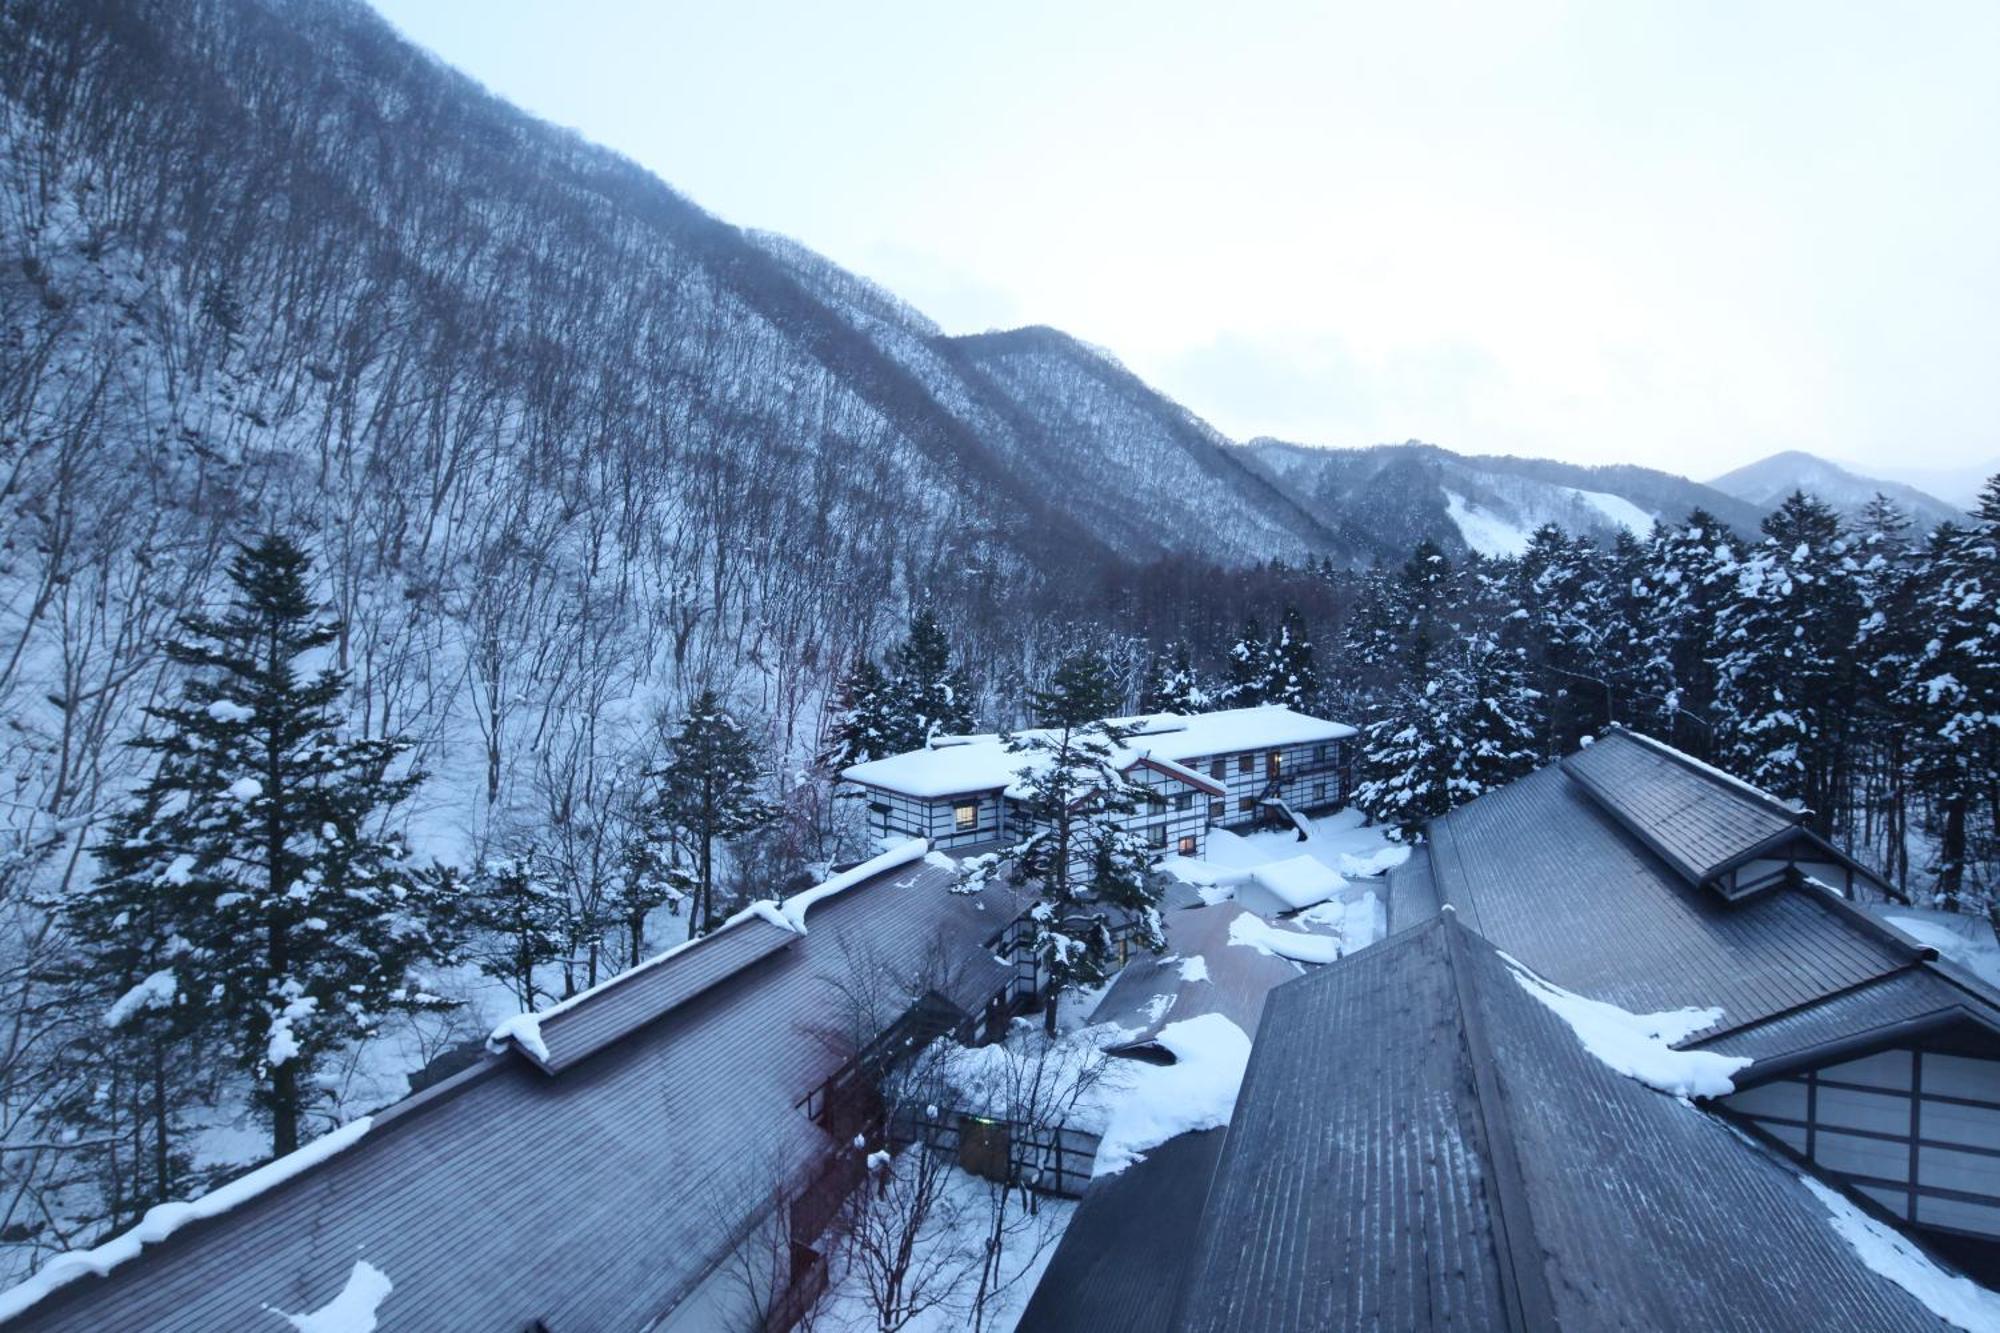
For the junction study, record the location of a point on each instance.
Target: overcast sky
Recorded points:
(1677, 234)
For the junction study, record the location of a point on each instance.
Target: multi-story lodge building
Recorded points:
(1227, 768)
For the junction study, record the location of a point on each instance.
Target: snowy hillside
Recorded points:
(1768, 481)
(1408, 492)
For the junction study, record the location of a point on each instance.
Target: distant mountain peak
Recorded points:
(1769, 480)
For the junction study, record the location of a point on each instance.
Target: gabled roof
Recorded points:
(964, 765)
(596, 1198)
(1544, 871)
(1698, 819)
(1420, 1143)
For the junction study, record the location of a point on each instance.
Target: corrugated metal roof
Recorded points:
(1153, 992)
(1372, 1178)
(1352, 1190)
(591, 1200)
(571, 1034)
(1696, 819)
(1412, 892)
(1878, 1008)
(1119, 1266)
(1539, 869)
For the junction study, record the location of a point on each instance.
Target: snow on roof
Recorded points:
(1161, 1102)
(524, 1031)
(1641, 1046)
(162, 1220)
(1299, 881)
(962, 765)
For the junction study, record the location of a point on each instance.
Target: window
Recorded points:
(1187, 847)
(1244, 763)
(1246, 804)
(1319, 790)
(1319, 754)
(1272, 763)
(1219, 769)
(1184, 800)
(1217, 807)
(1157, 835)
(965, 816)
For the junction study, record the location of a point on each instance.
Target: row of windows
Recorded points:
(1273, 762)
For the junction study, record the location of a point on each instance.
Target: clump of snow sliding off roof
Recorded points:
(353, 1310)
(1956, 1300)
(1641, 1046)
(1197, 1091)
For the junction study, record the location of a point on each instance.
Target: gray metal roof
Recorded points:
(1695, 818)
(1877, 1013)
(1411, 892)
(593, 1199)
(1153, 992)
(1420, 1143)
(1119, 1265)
(649, 992)
(1540, 869)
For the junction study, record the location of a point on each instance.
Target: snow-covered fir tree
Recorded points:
(1090, 876)
(1561, 618)
(262, 819)
(865, 724)
(1955, 684)
(1291, 675)
(928, 694)
(1465, 731)
(1173, 685)
(655, 872)
(1787, 679)
(133, 967)
(710, 789)
(1691, 574)
(1248, 668)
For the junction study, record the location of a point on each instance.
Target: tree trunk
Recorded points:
(1049, 1004)
(162, 1170)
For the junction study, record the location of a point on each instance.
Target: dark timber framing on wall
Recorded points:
(1913, 1127)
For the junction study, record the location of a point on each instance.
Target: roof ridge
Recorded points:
(1524, 1286)
(1796, 814)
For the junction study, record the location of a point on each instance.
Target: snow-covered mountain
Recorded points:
(1768, 481)
(1407, 492)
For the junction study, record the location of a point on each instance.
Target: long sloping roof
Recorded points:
(593, 1199)
(1420, 1143)
(1696, 818)
(1540, 869)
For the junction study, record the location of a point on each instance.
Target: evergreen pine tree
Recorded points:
(653, 874)
(1172, 684)
(1955, 689)
(1787, 680)
(133, 965)
(710, 790)
(865, 726)
(1691, 573)
(928, 696)
(1291, 675)
(1561, 619)
(1088, 873)
(1464, 732)
(302, 920)
(1249, 668)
